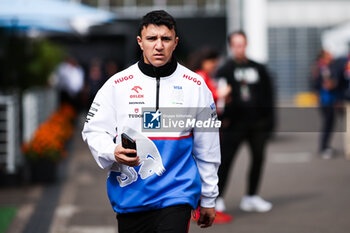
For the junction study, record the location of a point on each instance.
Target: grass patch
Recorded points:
(6, 216)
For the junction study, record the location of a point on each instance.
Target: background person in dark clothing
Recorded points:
(341, 68)
(95, 78)
(327, 88)
(248, 117)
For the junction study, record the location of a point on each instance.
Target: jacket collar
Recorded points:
(162, 71)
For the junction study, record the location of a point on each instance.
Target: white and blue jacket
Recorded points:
(176, 167)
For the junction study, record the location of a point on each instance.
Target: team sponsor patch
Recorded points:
(122, 79)
(134, 115)
(136, 92)
(194, 80)
(177, 95)
(136, 102)
(93, 110)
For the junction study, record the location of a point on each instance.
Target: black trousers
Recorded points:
(328, 120)
(230, 142)
(173, 219)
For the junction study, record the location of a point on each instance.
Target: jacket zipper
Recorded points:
(157, 100)
(158, 86)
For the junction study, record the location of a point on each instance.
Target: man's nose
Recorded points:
(159, 44)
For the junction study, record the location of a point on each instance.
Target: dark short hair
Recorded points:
(239, 32)
(158, 17)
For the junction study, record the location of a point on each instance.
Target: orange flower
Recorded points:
(49, 140)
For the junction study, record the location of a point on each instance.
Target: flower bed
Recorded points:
(48, 142)
(47, 146)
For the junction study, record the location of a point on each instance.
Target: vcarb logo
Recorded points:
(195, 80)
(126, 78)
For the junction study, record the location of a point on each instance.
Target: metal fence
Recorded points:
(17, 126)
(38, 105)
(292, 50)
(10, 154)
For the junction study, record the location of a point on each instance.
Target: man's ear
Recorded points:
(139, 41)
(176, 42)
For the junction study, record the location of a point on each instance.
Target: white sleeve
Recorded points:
(100, 128)
(206, 150)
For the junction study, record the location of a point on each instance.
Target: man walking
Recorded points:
(156, 190)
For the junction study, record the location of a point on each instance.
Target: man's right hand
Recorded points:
(206, 217)
(120, 154)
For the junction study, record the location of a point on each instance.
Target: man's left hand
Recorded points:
(206, 217)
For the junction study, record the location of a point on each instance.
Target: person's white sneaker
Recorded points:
(327, 153)
(255, 203)
(220, 204)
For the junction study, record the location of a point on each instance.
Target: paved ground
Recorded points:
(310, 195)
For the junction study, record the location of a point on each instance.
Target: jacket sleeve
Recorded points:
(100, 128)
(206, 150)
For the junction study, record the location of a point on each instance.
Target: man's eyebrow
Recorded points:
(166, 37)
(162, 37)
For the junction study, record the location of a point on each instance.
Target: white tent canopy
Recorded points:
(51, 15)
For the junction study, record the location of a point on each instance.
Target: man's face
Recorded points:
(238, 45)
(157, 43)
